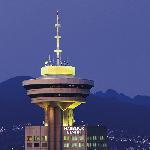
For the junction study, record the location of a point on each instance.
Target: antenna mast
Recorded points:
(58, 37)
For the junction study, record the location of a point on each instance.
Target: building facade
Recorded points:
(97, 138)
(73, 138)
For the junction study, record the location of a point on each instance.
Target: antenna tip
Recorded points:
(57, 12)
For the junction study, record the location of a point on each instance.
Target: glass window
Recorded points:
(90, 138)
(104, 145)
(74, 144)
(87, 144)
(101, 138)
(94, 144)
(29, 138)
(66, 144)
(29, 144)
(81, 144)
(74, 138)
(94, 138)
(36, 138)
(44, 144)
(90, 144)
(43, 138)
(81, 138)
(36, 144)
(66, 138)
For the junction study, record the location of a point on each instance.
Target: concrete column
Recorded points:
(58, 129)
(51, 135)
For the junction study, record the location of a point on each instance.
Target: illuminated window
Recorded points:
(87, 144)
(81, 138)
(90, 138)
(94, 138)
(90, 144)
(36, 138)
(66, 138)
(94, 144)
(29, 138)
(104, 145)
(43, 138)
(101, 138)
(74, 138)
(66, 144)
(71, 85)
(36, 144)
(74, 144)
(81, 144)
(44, 144)
(29, 144)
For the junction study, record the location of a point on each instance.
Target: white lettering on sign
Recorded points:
(74, 130)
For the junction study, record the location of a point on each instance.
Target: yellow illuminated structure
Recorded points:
(58, 70)
(58, 91)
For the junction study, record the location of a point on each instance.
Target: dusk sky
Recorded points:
(107, 40)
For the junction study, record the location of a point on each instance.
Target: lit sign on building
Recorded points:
(74, 130)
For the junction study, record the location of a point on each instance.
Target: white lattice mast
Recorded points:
(58, 37)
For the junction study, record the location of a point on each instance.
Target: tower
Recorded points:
(58, 91)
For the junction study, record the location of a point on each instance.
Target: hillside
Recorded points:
(110, 108)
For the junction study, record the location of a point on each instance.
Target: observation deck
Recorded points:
(58, 88)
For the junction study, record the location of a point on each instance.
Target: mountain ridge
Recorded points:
(113, 109)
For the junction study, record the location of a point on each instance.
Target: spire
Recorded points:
(58, 37)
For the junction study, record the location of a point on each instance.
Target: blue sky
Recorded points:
(107, 40)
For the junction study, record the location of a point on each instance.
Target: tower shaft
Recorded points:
(54, 128)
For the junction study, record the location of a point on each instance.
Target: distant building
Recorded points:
(97, 138)
(36, 137)
(73, 138)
